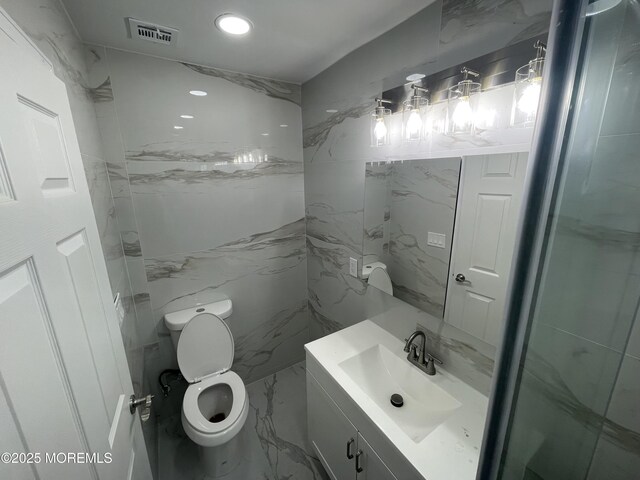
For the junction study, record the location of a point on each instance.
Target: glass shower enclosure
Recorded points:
(566, 400)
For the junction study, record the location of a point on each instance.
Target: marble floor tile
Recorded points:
(274, 437)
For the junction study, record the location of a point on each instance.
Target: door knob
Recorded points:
(144, 403)
(460, 278)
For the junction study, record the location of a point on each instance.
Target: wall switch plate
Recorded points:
(436, 240)
(117, 303)
(353, 267)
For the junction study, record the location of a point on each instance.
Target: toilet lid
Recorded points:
(205, 347)
(380, 279)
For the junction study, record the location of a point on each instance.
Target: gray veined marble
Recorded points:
(274, 437)
(259, 242)
(281, 338)
(320, 325)
(272, 88)
(280, 423)
(469, 18)
(219, 173)
(151, 153)
(316, 135)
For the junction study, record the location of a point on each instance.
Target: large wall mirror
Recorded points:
(439, 234)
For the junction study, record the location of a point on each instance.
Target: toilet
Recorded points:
(377, 276)
(216, 404)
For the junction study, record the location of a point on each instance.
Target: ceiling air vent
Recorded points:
(152, 33)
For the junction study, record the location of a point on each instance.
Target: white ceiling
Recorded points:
(292, 40)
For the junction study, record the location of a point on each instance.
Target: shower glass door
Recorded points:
(575, 413)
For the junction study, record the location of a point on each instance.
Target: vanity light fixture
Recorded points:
(460, 108)
(528, 86)
(379, 123)
(233, 24)
(414, 113)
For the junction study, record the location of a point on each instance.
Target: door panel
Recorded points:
(63, 373)
(37, 393)
(484, 242)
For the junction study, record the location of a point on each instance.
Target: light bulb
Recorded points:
(380, 131)
(528, 102)
(414, 124)
(462, 115)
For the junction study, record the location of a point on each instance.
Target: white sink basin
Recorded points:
(426, 405)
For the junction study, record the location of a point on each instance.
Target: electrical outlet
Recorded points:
(353, 267)
(117, 303)
(436, 240)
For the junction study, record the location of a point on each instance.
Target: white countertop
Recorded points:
(452, 450)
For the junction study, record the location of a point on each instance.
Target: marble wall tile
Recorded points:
(264, 275)
(469, 27)
(336, 148)
(423, 199)
(195, 226)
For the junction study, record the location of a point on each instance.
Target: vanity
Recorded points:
(358, 433)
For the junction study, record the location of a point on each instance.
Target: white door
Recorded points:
(64, 383)
(488, 212)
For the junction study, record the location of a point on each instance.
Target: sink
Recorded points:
(426, 405)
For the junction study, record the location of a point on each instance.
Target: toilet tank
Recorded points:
(175, 321)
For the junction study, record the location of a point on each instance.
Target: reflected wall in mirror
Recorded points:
(439, 234)
(409, 217)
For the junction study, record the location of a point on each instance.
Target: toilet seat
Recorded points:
(205, 355)
(204, 432)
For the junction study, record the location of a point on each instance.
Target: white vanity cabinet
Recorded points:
(342, 449)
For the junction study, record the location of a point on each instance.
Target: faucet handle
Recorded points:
(434, 359)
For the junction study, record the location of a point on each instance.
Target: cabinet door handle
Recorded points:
(359, 469)
(349, 443)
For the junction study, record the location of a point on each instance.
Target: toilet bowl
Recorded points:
(216, 404)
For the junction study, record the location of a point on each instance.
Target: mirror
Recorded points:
(439, 234)
(409, 217)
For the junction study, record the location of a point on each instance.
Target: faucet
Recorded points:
(419, 356)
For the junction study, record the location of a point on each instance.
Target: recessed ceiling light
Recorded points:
(198, 93)
(186, 116)
(284, 125)
(414, 77)
(178, 127)
(233, 24)
(332, 110)
(264, 134)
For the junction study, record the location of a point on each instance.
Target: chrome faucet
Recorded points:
(418, 355)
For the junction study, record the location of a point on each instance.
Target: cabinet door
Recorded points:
(331, 433)
(370, 464)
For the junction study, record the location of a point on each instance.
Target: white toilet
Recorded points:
(377, 276)
(216, 404)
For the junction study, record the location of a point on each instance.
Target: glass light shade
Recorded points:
(414, 119)
(461, 108)
(380, 127)
(527, 93)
